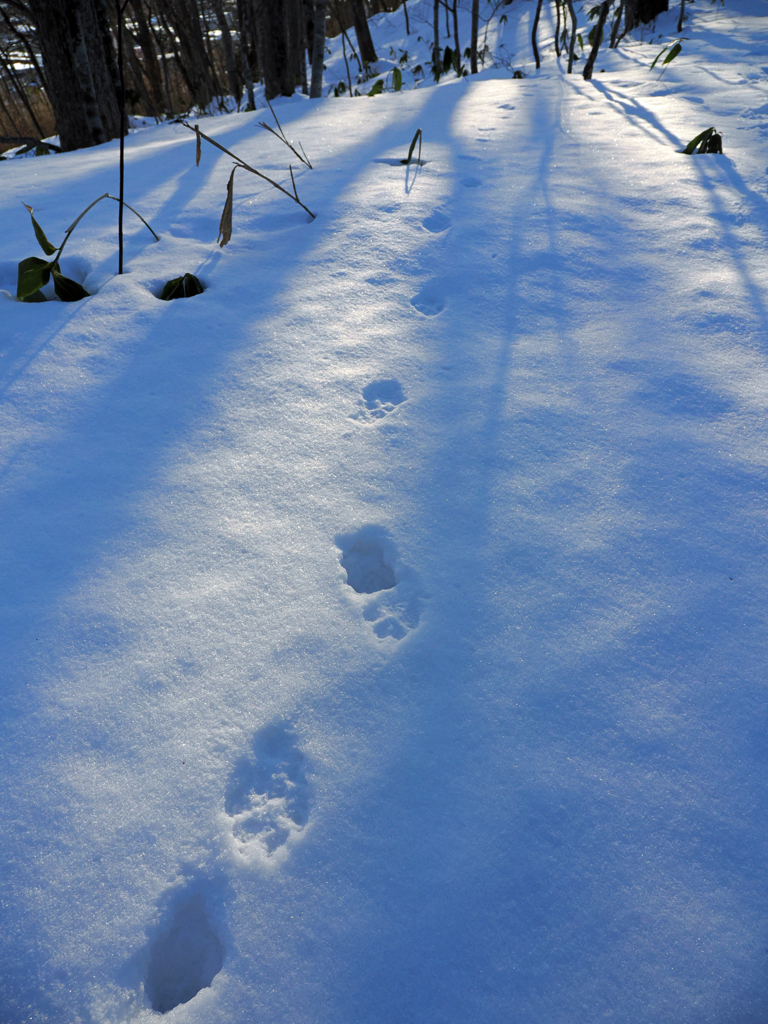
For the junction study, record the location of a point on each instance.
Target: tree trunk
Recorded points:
(294, 38)
(318, 51)
(473, 39)
(242, 25)
(363, 33)
(233, 77)
(149, 56)
(604, 6)
(273, 48)
(456, 47)
(572, 40)
(557, 29)
(80, 86)
(533, 34)
(437, 64)
(184, 16)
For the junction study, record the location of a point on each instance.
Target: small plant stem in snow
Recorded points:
(247, 167)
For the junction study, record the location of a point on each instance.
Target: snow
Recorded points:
(384, 629)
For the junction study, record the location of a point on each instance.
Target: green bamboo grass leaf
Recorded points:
(33, 274)
(703, 138)
(658, 56)
(67, 289)
(672, 53)
(181, 288)
(378, 87)
(416, 138)
(45, 245)
(397, 79)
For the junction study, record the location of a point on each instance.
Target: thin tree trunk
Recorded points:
(242, 26)
(615, 28)
(682, 16)
(137, 72)
(598, 39)
(557, 29)
(85, 77)
(572, 40)
(192, 53)
(217, 89)
(318, 51)
(19, 90)
(235, 85)
(405, 12)
(456, 45)
(363, 32)
(533, 34)
(28, 49)
(473, 37)
(436, 62)
(149, 55)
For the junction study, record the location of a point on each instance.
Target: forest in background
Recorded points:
(59, 58)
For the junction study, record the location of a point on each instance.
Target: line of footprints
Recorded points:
(267, 796)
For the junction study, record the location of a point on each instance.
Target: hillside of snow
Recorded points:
(384, 629)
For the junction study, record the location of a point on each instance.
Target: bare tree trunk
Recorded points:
(473, 38)
(149, 55)
(80, 86)
(682, 16)
(436, 62)
(242, 25)
(318, 51)
(405, 12)
(533, 34)
(572, 40)
(235, 86)
(294, 38)
(615, 29)
(598, 39)
(193, 56)
(273, 48)
(19, 90)
(456, 46)
(363, 32)
(557, 29)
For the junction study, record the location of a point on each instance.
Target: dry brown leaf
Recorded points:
(225, 224)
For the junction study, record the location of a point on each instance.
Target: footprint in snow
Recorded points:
(437, 222)
(185, 956)
(267, 798)
(370, 561)
(380, 398)
(430, 300)
(471, 182)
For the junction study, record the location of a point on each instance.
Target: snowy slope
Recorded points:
(526, 384)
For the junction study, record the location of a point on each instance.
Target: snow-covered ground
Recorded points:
(384, 630)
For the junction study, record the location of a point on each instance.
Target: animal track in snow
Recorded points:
(267, 797)
(471, 182)
(437, 222)
(380, 398)
(185, 957)
(430, 300)
(369, 559)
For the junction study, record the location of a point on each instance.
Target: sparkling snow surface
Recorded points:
(384, 630)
